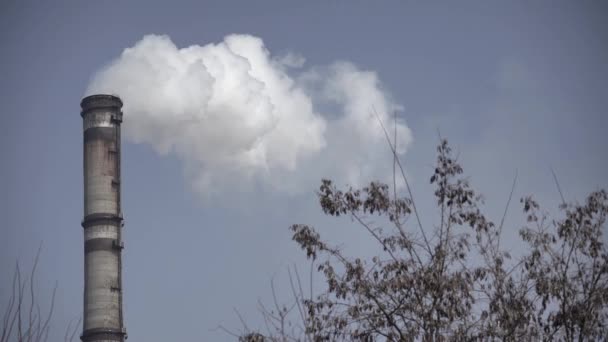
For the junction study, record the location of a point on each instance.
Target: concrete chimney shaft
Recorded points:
(102, 223)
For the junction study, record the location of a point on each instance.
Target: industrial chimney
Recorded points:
(102, 223)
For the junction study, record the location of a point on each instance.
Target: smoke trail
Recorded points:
(239, 117)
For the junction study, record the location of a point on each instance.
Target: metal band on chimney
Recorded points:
(103, 334)
(101, 219)
(102, 244)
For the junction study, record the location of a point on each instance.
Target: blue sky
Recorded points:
(517, 85)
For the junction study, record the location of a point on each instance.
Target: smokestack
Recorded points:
(102, 223)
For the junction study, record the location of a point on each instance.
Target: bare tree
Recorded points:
(452, 281)
(568, 266)
(278, 322)
(23, 319)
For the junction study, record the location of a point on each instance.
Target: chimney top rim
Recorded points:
(100, 101)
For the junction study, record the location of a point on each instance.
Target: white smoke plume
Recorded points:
(239, 117)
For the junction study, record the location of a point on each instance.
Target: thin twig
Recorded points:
(9, 317)
(409, 190)
(241, 319)
(68, 336)
(395, 162)
(45, 326)
(229, 332)
(19, 303)
(559, 189)
(32, 294)
(502, 221)
(297, 297)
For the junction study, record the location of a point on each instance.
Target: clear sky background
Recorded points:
(514, 85)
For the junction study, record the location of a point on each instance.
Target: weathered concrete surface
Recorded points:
(102, 223)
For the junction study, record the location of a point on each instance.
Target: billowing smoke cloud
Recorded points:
(240, 117)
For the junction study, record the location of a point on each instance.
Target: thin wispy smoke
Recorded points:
(239, 117)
